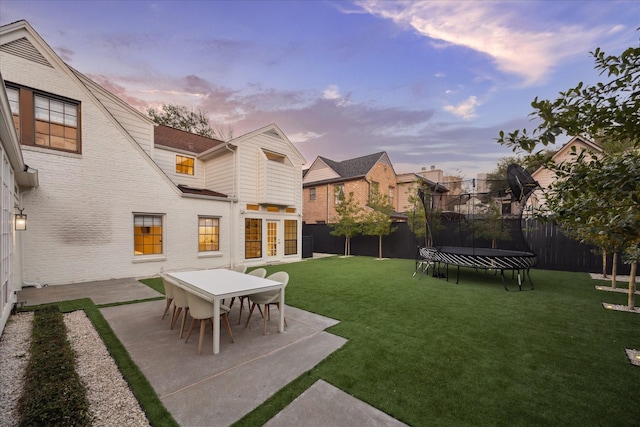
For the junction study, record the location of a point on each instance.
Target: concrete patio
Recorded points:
(218, 390)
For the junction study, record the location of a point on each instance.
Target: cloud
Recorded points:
(506, 35)
(331, 92)
(466, 109)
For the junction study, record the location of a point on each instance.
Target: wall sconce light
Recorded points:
(21, 221)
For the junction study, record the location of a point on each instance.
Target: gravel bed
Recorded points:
(14, 357)
(111, 402)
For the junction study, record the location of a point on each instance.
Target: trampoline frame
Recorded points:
(478, 258)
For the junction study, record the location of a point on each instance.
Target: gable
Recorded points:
(346, 169)
(23, 48)
(320, 171)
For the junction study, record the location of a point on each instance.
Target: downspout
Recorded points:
(233, 212)
(327, 216)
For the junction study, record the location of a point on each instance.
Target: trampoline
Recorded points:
(518, 259)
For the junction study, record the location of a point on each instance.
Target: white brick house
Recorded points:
(14, 178)
(108, 204)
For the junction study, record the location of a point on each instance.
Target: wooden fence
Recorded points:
(555, 251)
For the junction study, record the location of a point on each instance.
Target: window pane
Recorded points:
(290, 237)
(55, 118)
(253, 237)
(147, 234)
(208, 234)
(14, 100)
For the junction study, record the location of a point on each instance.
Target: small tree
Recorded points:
(346, 223)
(377, 222)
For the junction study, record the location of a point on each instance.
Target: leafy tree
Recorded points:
(182, 118)
(577, 203)
(377, 222)
(596, 197)
(346, 223)
(606, 111)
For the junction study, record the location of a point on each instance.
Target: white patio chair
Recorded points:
(268, 298)
(202, 309)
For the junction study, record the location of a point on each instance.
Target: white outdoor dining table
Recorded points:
(218, 284)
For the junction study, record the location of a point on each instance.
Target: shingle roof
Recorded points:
(352, 168)
(182, 140)
(200, 191)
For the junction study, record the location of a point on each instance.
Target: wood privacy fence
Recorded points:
(555, 251)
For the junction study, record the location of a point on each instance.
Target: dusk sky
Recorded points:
(429, 82)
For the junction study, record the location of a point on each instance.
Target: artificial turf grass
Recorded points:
(430, 352)
(53, 393)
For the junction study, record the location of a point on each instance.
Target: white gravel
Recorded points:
(111, 402)
(14, 357)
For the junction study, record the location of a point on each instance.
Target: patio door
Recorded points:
(273, 241)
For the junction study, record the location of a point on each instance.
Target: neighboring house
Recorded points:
(407, 186)
(16, 177)
(114, 202)
(545, 177)
(326, 180)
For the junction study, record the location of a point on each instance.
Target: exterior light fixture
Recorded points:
(21, 221)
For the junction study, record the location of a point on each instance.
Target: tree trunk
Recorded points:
(380, 247)
(614, 269)
(604, 264)
(346, 245)
(632, 285)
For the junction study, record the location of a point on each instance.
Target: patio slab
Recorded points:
(217, 390)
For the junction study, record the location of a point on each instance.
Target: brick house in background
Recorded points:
(326, 178)
(112, 201)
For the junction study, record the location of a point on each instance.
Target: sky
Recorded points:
(432, 83)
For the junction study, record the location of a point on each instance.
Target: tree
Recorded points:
(195, 122)
(346, 223)
(596, 196)
(577, 203)
(377, 222)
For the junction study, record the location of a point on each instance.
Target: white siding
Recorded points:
(138, 128)
(166, 160)
(81, 215)
(250, 191)
(319, 171)
(220, 174)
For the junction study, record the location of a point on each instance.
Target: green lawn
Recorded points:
(430, 352)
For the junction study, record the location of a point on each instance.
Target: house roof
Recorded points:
(200, 191)
(182, 140)
(353, 168)
(575, 141)
(412, 177)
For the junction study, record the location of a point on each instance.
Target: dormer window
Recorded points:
(274, 157)
(184, 165)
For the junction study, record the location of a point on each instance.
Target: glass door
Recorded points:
(273, 240)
